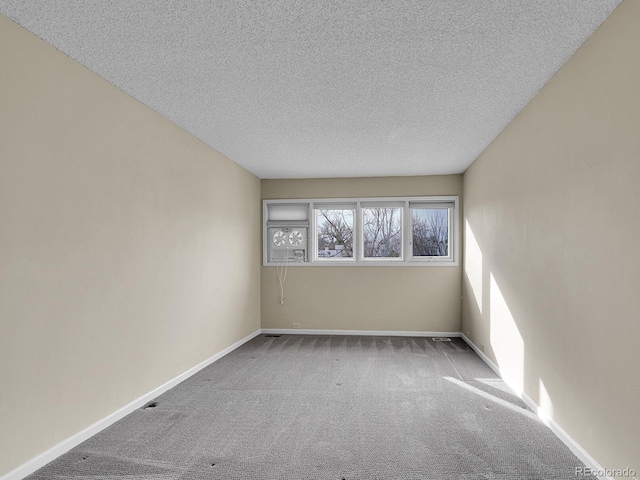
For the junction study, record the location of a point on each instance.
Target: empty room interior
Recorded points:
(337, 240)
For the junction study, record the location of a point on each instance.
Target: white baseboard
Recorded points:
(73, 441)
(574, 446)
(484, 358)
(373, 333)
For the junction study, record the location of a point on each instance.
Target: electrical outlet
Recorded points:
(482, 347)
(296, 325)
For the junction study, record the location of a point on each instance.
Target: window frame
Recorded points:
(382, 204)
(451, 230)
(406, 259)
(313, 253)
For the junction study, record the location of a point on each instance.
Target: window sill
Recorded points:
(329, 263)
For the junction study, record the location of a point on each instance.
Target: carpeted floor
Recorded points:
(329, 407)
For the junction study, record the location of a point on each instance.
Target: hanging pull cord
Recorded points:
(281, 270)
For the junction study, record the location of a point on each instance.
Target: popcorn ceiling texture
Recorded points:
(293, 89)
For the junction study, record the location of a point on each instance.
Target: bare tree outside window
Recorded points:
(382, 231)
(335, 233)
(416, 231)
(430, 232)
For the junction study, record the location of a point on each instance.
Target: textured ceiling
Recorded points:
(329, 88)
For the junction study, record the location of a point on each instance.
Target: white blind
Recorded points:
(334, 206)
(391, 204)
(278, 212)
(439, 205)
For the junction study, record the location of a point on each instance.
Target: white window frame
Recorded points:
(363, 205)
(358, 259)
(318, 205)
(451, 240)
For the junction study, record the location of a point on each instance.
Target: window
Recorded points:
(367, 231)
(381, 231)
(334, 231)
(430, 229)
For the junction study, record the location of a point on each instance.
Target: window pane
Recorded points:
(335, 233)
(382, 231)
(430, 232)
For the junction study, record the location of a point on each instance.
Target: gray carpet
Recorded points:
(329, 407)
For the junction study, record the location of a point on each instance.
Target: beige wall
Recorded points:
(363, 298)
(552, 268)
(117, 268)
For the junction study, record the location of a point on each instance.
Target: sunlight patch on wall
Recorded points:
(506, 341)
(545, 411)
(473, 264)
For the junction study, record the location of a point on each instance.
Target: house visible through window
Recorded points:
(365, 231)
(334, 232)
